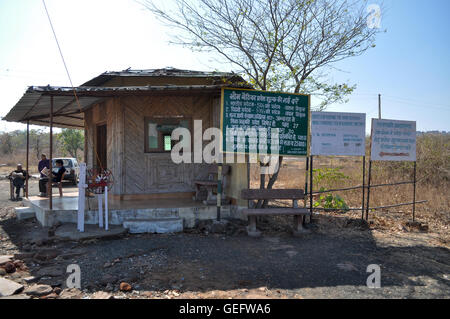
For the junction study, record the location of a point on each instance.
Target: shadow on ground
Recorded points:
(199, 262)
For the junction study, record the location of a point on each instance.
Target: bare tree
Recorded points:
(282, 45)
(36, 139)
(277, 44)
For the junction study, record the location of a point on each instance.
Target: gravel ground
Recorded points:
(329, 262)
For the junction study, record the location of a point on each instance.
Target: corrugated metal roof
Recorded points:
(34, 106)
(120, 90)
(165, 72)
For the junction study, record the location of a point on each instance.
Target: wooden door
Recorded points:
(101, 157)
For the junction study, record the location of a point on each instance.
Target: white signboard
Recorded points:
(393, 140)
(335, 133)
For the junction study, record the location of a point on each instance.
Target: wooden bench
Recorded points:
(211, 184)
(270, 194)
(50, 183)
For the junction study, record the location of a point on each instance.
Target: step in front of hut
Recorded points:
(119, 216)
(24, 212)
(154, 225)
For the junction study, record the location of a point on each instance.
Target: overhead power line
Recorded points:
(70, 80)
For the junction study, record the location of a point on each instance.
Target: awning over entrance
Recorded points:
(35, 104)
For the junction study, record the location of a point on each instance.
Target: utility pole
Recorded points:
(379, 106)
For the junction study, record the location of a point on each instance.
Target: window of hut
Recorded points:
(159, 131)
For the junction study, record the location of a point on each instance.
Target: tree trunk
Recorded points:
(272, 180)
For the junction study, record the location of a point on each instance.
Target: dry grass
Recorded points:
(10, 161)
(433, 176)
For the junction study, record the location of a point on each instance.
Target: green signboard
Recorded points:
(260, 122)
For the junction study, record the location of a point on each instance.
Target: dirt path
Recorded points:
(330, 262)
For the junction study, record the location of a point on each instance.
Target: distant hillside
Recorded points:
(433, 132)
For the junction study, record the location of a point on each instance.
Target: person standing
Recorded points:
(43, 163)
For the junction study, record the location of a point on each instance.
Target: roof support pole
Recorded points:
(86, 136)
(28, 155)
(50, 177)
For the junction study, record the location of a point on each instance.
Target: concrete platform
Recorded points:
(24, 213)
(154, 226)
(65, 210)
(70, 232)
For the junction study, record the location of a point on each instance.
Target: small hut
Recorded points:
(127, 118)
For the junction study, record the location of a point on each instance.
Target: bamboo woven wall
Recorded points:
(149, 173)
(136, 172)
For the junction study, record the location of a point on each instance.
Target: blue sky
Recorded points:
(410, 65)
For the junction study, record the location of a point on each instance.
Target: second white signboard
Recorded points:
(393, 140)
(336, 133)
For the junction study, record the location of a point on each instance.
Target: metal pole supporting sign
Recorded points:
(363, 185)
(368, 190)
(414, 194)
(219, 190)
(311, 172)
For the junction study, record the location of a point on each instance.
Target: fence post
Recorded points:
(311, 185)
(414, 194)
(368, 190)
(363, 185)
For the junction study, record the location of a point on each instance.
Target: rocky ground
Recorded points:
(220, 261)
